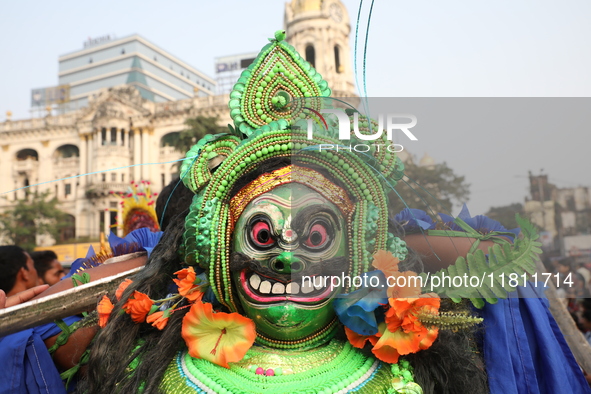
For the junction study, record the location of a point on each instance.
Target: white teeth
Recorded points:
(278, 288)
(295, 288)
(255, 281)
(307, 287)
(265, 287)
(318, 286)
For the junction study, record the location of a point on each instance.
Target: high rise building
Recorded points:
(134, 61)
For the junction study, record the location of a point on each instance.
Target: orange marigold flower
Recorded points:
(403, 312)
(402, 332)
(138, 306)
(385, 262)
(122, 288)
(186, 284)
(159, 319)
(220, 338)
(104, 308)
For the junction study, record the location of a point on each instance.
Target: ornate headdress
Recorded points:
(270, 106)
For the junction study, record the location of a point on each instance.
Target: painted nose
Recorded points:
(287, 263)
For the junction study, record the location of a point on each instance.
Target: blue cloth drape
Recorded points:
(27, 366)
(524, 350)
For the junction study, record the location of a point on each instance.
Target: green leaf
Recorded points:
(504, 259)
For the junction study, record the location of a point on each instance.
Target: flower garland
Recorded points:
(388, 316)
(214, 336)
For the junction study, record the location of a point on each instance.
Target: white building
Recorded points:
(121, 133)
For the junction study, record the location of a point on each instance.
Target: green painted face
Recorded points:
(284, 237)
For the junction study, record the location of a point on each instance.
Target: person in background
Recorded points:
(585, 323)
(17, 270)
(49, 269)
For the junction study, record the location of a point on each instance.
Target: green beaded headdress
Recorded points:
(271, 105)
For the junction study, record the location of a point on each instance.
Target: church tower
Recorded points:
(319, 30)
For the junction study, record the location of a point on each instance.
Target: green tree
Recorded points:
(36, 214)
(506, 214)
(434, 188)
(196, 129)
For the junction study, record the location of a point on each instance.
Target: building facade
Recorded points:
(134, 61)
(122, 134)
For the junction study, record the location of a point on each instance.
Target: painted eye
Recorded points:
(317, 237)
(260, 234)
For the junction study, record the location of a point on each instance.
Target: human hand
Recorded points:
(21, 297)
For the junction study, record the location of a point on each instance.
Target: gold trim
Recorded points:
(290, 174)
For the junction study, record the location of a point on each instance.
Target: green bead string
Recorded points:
(321, 375)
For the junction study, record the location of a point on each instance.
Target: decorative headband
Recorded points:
(285, 175)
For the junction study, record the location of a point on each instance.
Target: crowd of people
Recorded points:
(574, 279)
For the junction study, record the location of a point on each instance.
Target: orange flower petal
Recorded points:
(220, 338)
(122, 288)
(385, 262)
(358, 340)
(158, 319)
(104, 308)
(383, 349)
(186, 280)
(138, 306)
(194, 295)
(428, 340)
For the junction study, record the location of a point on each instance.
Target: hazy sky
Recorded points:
(505, 48)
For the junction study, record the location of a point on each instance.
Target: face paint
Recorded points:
(285, 243)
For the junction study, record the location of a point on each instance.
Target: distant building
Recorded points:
(319, 31)
(133, 61)
(128, 101)
(564, 213)
(229, 68)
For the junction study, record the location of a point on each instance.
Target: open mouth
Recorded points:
(264, 289)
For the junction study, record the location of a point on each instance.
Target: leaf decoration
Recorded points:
(493, 273)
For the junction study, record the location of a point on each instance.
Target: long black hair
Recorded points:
(123, 343)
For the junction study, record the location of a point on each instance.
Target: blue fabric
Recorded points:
(524, 350)
(27, 366)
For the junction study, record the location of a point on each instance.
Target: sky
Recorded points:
(505, 48)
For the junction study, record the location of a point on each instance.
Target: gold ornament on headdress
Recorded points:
(290, 174)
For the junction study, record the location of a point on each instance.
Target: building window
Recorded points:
(122, 177)
(122, 137)
(103, 177)
(67, 189)
(113, 136)
(113, 217)
(113, 177)
(123, 51)
(182, 74)
(103, 136)
(155, 59)
(311, 55)
(337, 60)
(163, 180)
